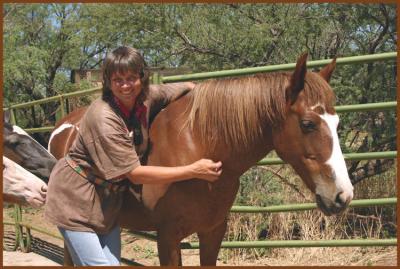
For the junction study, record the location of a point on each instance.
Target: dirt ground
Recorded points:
(48, 251)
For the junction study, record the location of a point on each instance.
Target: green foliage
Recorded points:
(62, 84)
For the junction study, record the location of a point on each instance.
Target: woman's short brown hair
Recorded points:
(122, 60)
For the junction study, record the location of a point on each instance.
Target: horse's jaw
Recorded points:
(332, 194)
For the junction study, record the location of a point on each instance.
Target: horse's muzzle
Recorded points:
(329, 207)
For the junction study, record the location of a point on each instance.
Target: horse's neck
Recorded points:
(242, 159)
(225, 189)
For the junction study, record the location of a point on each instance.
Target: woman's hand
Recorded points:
(206, 169)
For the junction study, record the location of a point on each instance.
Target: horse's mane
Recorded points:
(232, 110)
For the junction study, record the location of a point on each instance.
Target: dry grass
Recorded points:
(331, 257)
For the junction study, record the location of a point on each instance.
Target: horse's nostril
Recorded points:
(339, 199)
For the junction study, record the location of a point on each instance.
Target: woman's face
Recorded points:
(126, 87)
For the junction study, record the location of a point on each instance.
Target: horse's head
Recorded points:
(27, 152)
(308, 139)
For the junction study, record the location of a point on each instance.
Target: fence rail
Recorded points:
(347, 156)
(55, 98)
(300, 243)
(252, 70)
(310, 206)
(285, 243)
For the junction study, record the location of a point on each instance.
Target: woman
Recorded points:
(86, 187)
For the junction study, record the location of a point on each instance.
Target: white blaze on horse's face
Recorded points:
(343, 193)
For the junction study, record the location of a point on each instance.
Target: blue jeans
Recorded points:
(87, 248)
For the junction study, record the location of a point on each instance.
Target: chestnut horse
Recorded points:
(237, 121)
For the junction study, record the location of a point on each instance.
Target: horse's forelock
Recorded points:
(318, 91)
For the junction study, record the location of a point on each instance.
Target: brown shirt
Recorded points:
(105, 146)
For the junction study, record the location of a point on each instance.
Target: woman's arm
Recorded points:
(202, 169)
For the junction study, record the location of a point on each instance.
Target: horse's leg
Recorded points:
(169, 250)
(67, 257)
(210, 243)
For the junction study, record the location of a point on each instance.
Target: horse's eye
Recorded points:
(307, 126)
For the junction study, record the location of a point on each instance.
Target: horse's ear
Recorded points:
(327, 71)
(297, 79)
